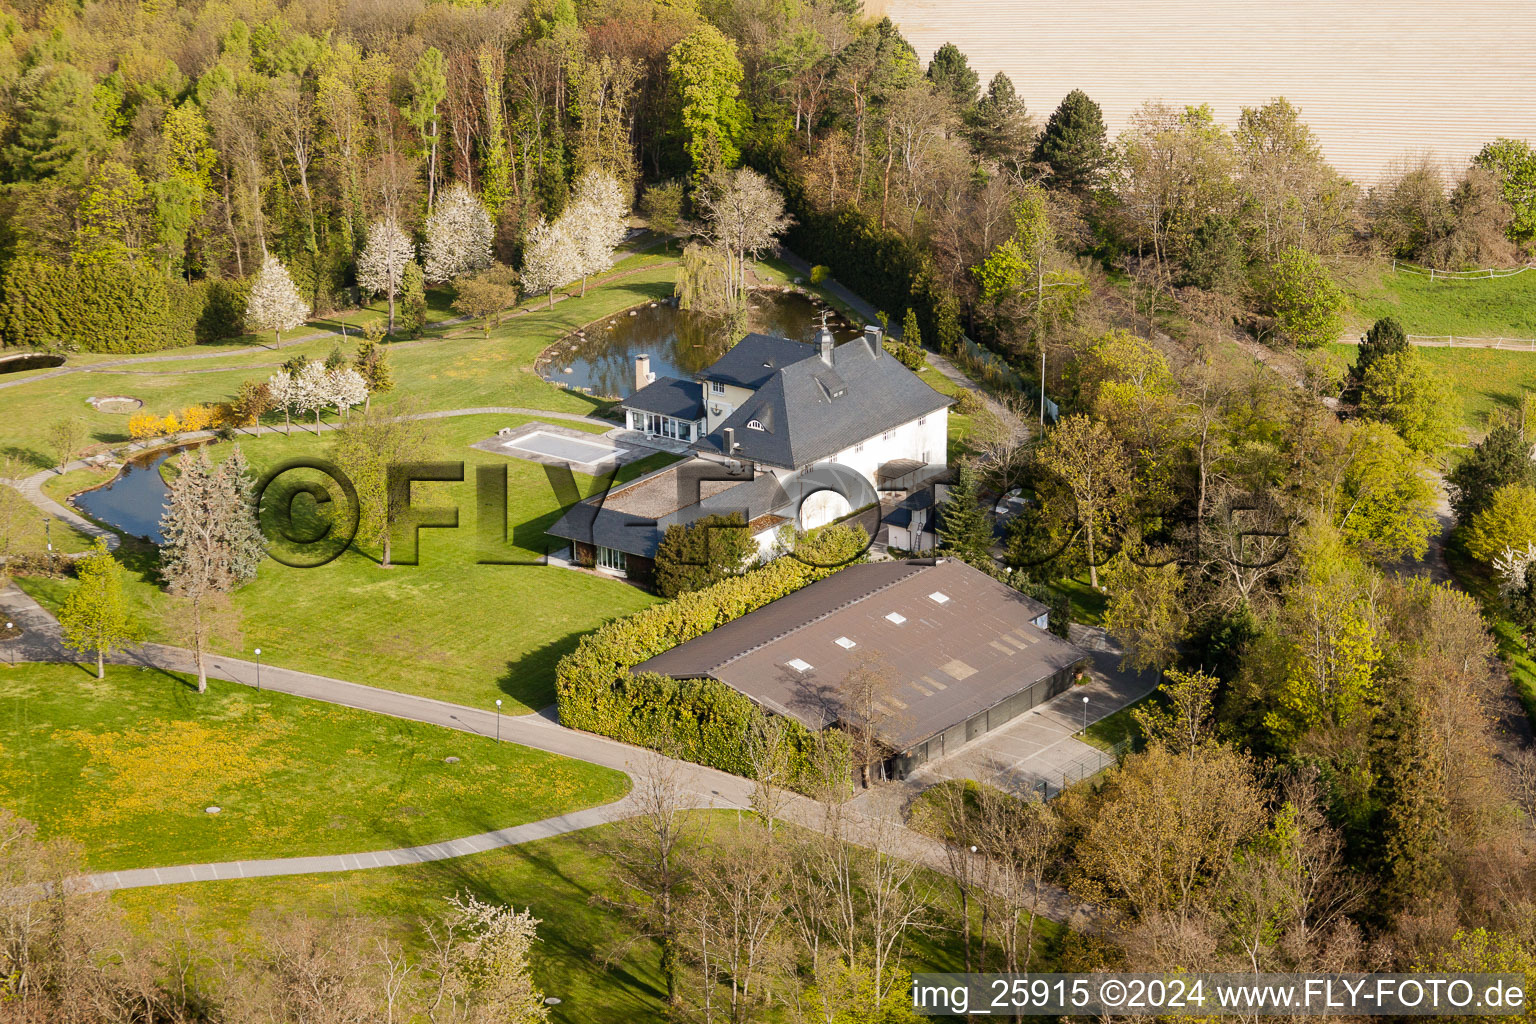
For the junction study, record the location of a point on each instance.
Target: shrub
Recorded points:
(699, 554)
(703, 721)
(195, 417)
(969, 403)
(1308, 307)
(819, 273)
(143, 425)
(910, 356)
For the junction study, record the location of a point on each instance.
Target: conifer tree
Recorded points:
(1073, 143)
(213, 544)
(966, 528)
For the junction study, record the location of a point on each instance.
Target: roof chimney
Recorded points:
(824, 343)
(872, 335)
(730, 440)
(643, 374)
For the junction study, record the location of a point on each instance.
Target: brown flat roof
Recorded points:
(954, 640)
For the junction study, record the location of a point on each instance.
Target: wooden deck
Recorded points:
(1376, 80)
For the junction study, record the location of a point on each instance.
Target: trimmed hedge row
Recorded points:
(125, 308)
(703, 721)
(877, 263)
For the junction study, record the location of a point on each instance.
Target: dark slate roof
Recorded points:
(755, 358)
(949, 660)
(633, 517)
(668, 396)
(810, 411)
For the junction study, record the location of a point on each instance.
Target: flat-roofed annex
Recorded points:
(947, 662)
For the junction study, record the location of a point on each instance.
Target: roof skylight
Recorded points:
(896, 617)
(845, 643)
(799, 665)
(939, 597)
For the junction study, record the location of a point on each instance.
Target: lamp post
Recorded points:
(8, 627)
(258, 670)
(48, 532)
(498, 719)
(1085, 715)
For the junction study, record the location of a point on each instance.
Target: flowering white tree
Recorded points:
(550, 258)
(345, 387)
(381, 267)
(1511, 568)
(275, 304)
(459, 234)
(597, 221)
(311, 390)
(284, 395)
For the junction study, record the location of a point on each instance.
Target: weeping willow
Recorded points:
(704, 285)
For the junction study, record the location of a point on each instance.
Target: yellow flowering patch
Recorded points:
(171, 768)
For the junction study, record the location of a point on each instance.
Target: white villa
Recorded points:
(779, 431)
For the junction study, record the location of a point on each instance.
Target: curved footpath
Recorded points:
(703, 787)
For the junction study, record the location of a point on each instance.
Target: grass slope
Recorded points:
(560, 880)
(1486, 380)
(447, 627)
(128, 764)
(1501, 307)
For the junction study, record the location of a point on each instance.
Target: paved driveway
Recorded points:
(1040, 747)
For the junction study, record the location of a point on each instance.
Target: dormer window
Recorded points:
(755, 425)
(717, 387)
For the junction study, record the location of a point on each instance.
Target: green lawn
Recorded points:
(464, 369)
(127, 766)
(1485, 379)
(447, 627)
(1087, 604)
(960, 426)
(1117, 728)
(557, 879)
(1503, 307)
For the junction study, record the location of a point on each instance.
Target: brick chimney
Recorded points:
(643, 374)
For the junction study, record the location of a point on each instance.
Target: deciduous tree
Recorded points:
(95, 616)
(459, 235)
(274, 304)
(381, 267)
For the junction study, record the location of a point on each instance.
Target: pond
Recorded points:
(680, 343)
(135, 499)
(28, 361)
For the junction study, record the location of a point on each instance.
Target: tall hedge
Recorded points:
(877, 263)
(119, 307)
(703, 721)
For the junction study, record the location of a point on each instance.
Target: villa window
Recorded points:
(716, 387)
(612, 559)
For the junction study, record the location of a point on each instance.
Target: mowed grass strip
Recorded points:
(128, 766)
(1498, 307)
(447, 627)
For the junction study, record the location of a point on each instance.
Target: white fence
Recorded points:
(1489, 274)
